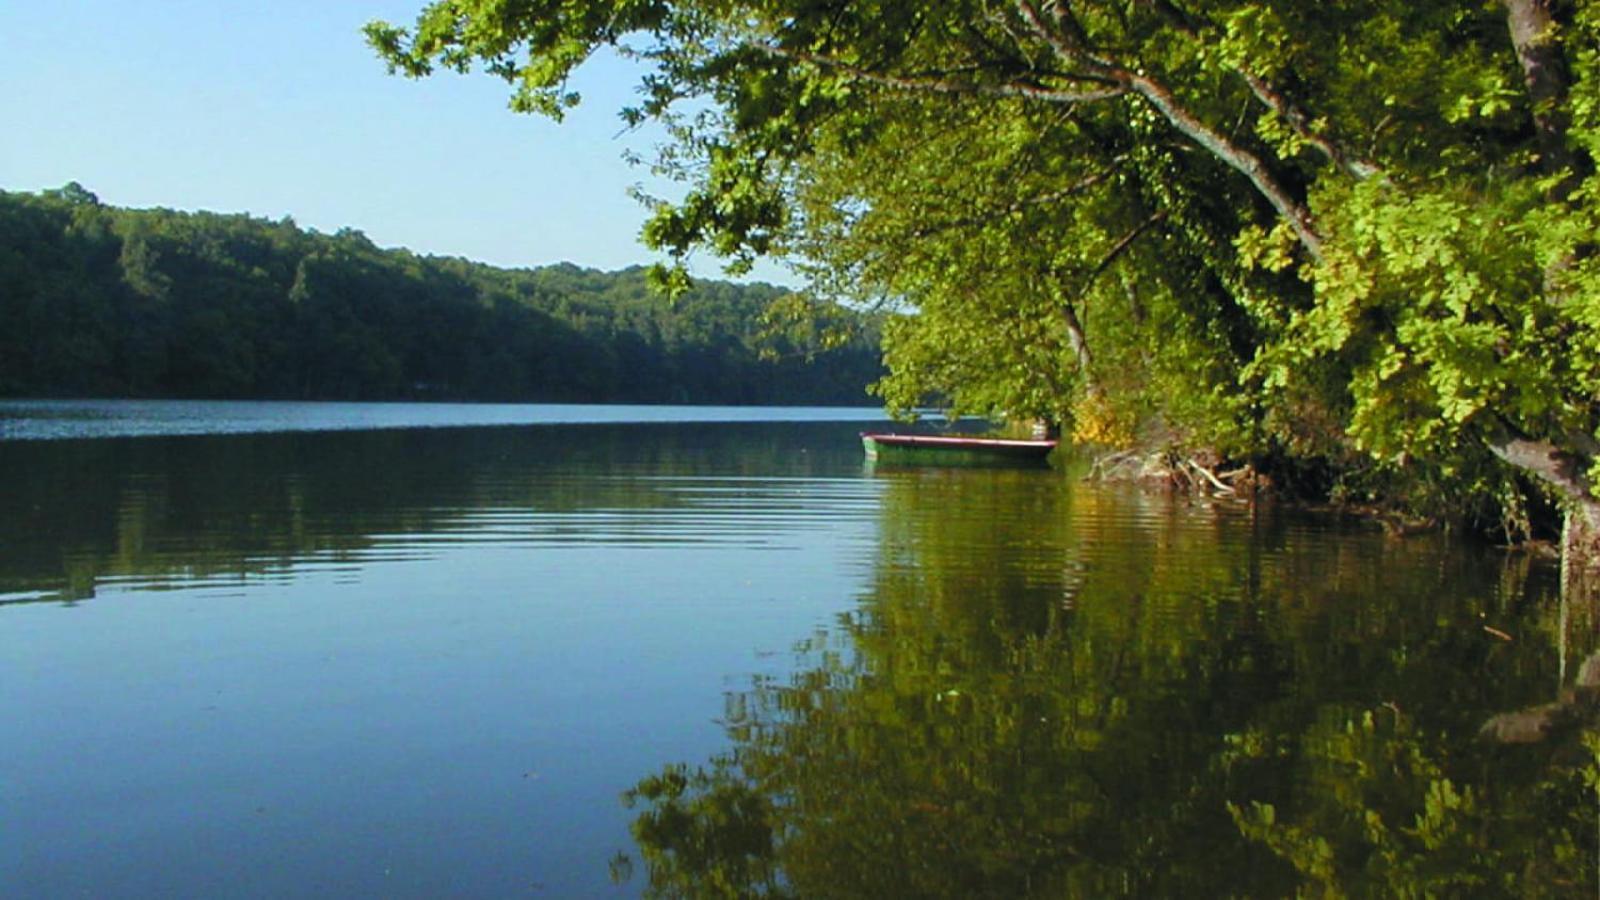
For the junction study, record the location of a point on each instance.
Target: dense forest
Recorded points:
(101, 301)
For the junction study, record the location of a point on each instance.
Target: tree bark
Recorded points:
(1079, 344)
(1580, 552)
(1567, 472)
(1352, 164)
(1535, 35)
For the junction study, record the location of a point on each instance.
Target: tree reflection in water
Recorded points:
(1064, 692)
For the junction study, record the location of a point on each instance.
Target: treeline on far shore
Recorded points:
(101, 301)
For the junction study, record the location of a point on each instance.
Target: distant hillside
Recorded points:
(101, 301)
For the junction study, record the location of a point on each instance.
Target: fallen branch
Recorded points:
(1210, 477)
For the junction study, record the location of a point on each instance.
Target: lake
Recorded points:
(416, 650)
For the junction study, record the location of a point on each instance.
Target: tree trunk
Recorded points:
(1079, 344)
(1535, 33)
(1580, 551)
(1567, 472)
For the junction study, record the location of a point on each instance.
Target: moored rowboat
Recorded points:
(937, 450)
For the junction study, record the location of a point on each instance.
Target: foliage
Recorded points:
(1356, 235)
(113, 302)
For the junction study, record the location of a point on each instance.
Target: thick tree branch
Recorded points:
(1568, 473)
(1181, 118)
(1240, 159)
(1066, 39)
(1535, 34)
(1274, 99)
(1564, 470)
(1079, 344)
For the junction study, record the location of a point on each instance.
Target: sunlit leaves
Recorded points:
(930, 158)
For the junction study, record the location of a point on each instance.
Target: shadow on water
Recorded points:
(1054, 692)
(146, 512)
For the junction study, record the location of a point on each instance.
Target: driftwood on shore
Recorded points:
(1204, 473)
(1188, 473)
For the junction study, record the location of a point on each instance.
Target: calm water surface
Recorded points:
(58, 419)
(590, 660)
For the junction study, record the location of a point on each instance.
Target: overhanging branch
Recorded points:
(1070, 49)
(1120, 247)
(1237, 157)
(1069, 307)
(1193, 27)
(1564, 470)
(1297, 119)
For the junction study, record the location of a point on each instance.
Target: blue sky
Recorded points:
(278, 108)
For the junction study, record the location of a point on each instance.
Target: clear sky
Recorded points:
(279, 108)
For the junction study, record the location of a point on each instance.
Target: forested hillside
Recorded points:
(96, 300)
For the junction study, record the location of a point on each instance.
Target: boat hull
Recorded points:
(931, 450)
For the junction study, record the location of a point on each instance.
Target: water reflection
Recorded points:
(1078, 693)
(400, 664)
(80, 516)
(445, 651)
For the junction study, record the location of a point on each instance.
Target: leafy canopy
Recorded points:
(1357, 232)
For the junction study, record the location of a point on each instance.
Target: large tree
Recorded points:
(1358, 229)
